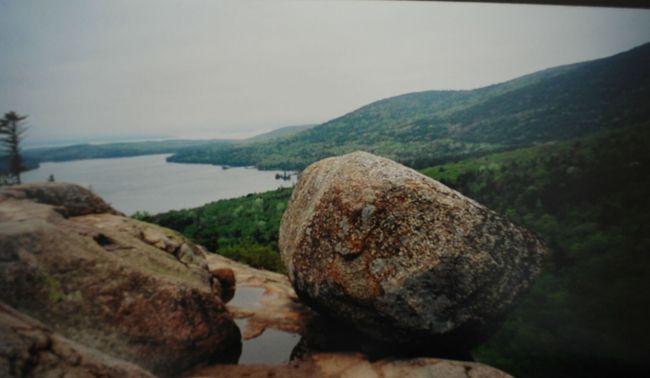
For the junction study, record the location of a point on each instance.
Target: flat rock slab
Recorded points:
(335, 365)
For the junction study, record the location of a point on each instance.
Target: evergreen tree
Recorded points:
(12, 129)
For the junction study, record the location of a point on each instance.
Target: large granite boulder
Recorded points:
(402, 257)
(126, 288)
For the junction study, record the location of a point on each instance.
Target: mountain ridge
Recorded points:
(423, 127)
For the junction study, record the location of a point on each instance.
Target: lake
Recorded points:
(150, 183)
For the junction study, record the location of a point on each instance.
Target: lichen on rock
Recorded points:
(400, 256)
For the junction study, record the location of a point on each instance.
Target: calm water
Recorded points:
(149, 183)
(272, 346)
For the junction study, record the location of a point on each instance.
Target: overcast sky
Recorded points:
(211, 69)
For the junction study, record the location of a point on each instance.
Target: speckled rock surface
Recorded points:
(400, 256)
(30, 349)
(68, 200)
(132, 290)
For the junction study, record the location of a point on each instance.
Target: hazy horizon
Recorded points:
(118, 71)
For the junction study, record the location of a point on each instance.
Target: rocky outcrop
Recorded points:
(68, 200)
(90, 291)
(353, 365)
(400, 256)
(30, 349)
(341, 355)
(123, 287)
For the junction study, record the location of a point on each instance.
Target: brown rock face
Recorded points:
(30, 349)
(400, 256)
(102, 280)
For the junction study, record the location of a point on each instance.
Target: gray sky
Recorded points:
(211, 69)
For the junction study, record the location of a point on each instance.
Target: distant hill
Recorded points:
(34, 156)
(283, 132)
(425, 128)
(112, 150)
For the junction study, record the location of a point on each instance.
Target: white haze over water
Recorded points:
(91, 70)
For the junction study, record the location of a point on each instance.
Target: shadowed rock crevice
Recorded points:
(108, 243)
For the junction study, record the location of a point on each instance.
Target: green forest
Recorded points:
(244, 229)
(587, 198)
(587, 313)
(113, 150)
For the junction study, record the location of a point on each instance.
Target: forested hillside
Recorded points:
(127, 149)
(245, 228)
(113, 150)
(587, 314)
(587, 198)
(427, 128)
(277, 134)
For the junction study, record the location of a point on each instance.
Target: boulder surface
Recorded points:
(30, 349)
(402, 257)
(126, 288)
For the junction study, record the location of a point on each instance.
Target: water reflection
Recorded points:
(247, 297)
(319, 334)
(271, 347)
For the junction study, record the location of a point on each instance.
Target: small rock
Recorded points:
(159, 240)
(185, 254)
(226, 277)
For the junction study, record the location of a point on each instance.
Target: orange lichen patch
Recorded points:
(366, 239)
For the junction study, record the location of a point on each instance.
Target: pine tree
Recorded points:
(12, 129)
